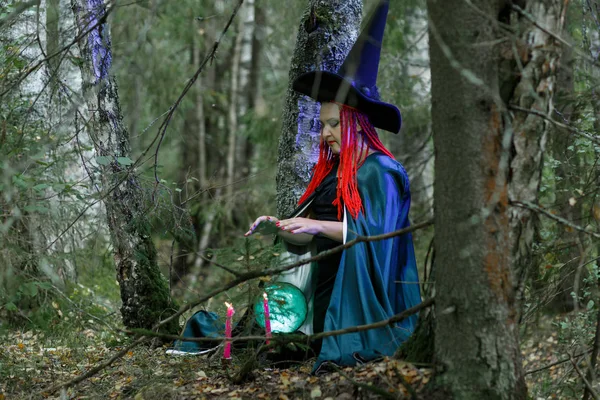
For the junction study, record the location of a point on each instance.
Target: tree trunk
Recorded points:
(245, 96)
(232, 119)
(257, 102)
(475, 330)
(144, 290)
(326, 35)
(535, 77)
(53, 43)
(201, 121)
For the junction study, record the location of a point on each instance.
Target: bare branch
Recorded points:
(142, 337)
(533, 207)
(593, 138)
(564, 360)
(93, 371)
(296, 338)
(208, 260)
(273, 271)
(585, 381)
(531, 19)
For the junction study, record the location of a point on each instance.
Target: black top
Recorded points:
(324, 210)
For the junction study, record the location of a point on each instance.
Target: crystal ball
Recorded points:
(287, 307)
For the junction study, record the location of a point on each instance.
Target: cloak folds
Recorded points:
(378, 279)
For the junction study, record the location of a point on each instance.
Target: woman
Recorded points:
(357, 189)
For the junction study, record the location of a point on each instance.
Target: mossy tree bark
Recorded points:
(476, 326)
(328, 31)
(144, 290)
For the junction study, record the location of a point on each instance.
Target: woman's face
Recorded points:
(331, 131)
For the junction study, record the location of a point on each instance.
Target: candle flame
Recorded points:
(229, 305)
(265, 296)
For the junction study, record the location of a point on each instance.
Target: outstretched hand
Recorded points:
(301, 225)
(258, 221)
(292, 225)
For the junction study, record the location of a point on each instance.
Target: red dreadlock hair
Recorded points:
(352, 155)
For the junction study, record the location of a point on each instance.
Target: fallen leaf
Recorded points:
(316, 392)
(201, 374)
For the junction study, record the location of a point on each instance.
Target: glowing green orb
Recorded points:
(287, 307)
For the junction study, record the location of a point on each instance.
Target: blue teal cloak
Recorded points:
(375, 280)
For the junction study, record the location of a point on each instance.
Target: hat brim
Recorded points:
(326, 86)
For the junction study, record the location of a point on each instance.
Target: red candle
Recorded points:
(267, 317)
(230, 312)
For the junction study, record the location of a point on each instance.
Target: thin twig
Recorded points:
(103, 322)
(273, 271)
(292, 337)
(93, 371)
(585, 381)
(142, 336)
(564, 360)
(231, 271)
(258, 274)
(540, 114)
(533, 207)
(552, 34)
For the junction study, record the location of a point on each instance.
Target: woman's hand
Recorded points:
(256, 223)
(301, 225)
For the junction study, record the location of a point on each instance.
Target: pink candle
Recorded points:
(267, 317)
(230, 312)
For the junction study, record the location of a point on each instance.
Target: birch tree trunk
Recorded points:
(209, 82)
(475, 330)
(144, 290)
(245, 95)
(534, 82)
(326, 35)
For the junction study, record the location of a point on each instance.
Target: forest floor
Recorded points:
(149, 374)
(31, 362)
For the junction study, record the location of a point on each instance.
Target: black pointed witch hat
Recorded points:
(355, 82)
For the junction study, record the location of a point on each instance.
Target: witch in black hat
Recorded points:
(357, 189)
